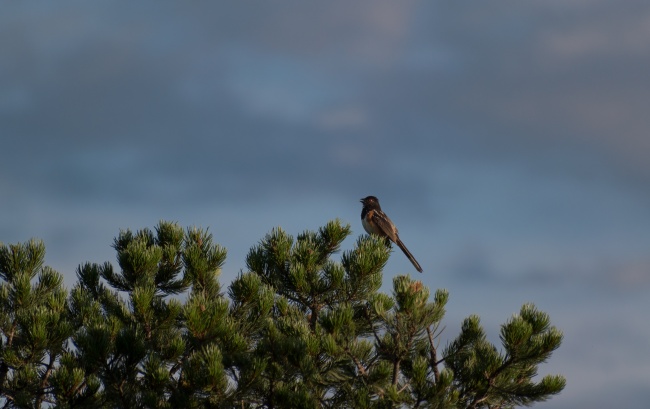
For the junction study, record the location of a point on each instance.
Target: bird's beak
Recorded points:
(361, 200)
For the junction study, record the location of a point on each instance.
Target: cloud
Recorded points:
(408, 86)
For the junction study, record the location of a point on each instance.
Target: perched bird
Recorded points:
(375, 221)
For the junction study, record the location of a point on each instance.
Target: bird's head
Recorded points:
(370, 200)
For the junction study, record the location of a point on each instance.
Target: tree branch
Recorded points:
(433, 360)
(358, 363)
(44, 381)
(396, 371)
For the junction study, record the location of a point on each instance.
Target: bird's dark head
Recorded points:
(370, 201)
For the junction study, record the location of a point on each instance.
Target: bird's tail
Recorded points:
(409, 255)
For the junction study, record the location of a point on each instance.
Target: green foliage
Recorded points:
(34, 324)
(489, 378)
(297, 330)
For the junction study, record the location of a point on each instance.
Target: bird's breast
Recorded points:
(368, 225)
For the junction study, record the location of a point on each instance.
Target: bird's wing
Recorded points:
(385, 224)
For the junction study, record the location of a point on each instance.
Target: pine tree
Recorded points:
(34, 325)
(298, 329)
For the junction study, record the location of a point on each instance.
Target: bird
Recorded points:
(375, 221)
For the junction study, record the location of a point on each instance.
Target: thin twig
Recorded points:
(434, 357)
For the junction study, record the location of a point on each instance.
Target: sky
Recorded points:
(507, 140)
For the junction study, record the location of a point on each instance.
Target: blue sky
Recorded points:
(507, 140)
